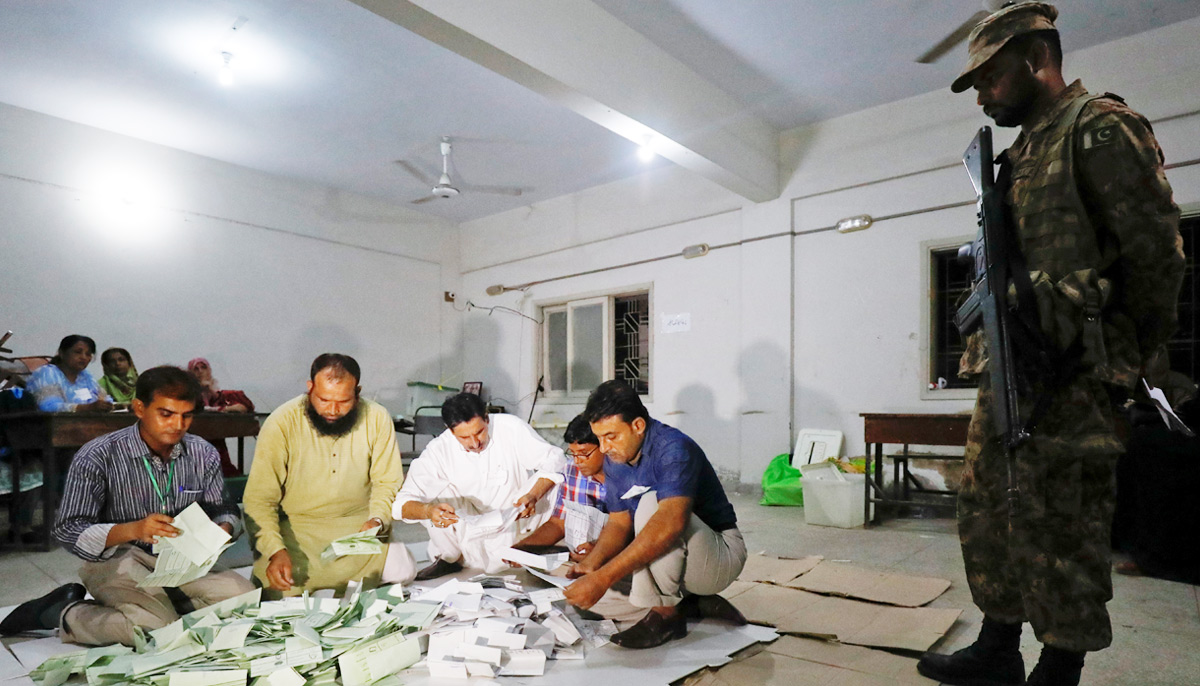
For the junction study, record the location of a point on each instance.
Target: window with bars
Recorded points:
(589, 340)
(949, 281)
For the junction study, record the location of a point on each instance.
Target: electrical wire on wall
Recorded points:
(492, 309)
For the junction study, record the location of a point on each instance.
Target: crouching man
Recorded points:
(670, 524)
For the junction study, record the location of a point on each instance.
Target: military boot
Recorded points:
(1056, 667)
(994, 659)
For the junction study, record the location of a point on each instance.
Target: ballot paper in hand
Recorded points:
(191, 554)
(1173, 422)
(360, 543)
(489, 523)
(582, 523)
(544, 562)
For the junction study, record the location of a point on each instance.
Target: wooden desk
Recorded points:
(905, 430)
(47, 432)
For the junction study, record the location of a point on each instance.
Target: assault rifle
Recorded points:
(987, 305)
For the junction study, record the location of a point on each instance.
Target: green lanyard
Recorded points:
(162, 495)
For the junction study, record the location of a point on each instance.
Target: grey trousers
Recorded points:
(120, 605)
(701, 562)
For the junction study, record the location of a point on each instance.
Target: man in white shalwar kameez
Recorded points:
(478, 487)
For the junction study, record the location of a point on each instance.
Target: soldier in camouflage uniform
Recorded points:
(1095, 220)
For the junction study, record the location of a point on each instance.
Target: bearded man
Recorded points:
(326, 465)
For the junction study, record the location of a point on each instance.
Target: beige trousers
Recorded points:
(701, 562)
(120, 605)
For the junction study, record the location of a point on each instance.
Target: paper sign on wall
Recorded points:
(675, 323)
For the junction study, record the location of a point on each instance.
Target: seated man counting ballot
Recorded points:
(472, 481)
(579, 508)
(123, 491)
(326, 466)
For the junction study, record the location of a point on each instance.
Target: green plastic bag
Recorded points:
(781, 483)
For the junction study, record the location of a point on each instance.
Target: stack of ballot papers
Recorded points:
(488, 626)
(361, 543)
(191, 554)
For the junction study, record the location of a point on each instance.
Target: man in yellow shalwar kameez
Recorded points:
(325, 466)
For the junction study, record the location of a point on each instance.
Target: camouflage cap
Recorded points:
(997, 29)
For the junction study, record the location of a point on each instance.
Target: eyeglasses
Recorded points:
(580, 457)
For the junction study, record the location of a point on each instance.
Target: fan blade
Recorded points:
(956, 36)
(494, 190)
(416, 173)
(426, 199)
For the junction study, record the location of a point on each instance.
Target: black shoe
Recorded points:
(43, 613)
(1056, 668)
(653, 631)
(438, 568)
(711, 607)
(992, 660)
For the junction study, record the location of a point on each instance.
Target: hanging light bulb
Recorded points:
(225, 76)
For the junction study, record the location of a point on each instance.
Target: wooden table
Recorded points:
(905, 430)
(47, 432)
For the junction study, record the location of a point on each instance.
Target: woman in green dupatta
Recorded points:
(120, 376)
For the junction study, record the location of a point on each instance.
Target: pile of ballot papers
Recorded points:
(488, 626)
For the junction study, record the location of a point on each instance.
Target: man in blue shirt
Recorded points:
(670, 524)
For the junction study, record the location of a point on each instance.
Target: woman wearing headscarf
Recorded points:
(120, 376)
(218, 400)
(64, 385)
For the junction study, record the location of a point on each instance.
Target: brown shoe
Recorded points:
(653, 631)
(439, 568)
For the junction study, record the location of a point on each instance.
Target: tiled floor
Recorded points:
(1156, 624)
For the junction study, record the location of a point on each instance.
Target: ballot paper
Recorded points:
(199, 537)
(360, 543)
(544, 562)
(489, 523)
(524, 663)
(191, 554)
(214, 677)
(559, 581)
(378, 659)
(1173, 422)
(581, 523)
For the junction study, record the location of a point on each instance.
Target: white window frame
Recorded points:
(927, 343)
(563, 396)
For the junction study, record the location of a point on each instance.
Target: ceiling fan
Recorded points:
(444, 187)
(960, 34)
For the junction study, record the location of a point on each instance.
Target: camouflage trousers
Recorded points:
(1049, 563)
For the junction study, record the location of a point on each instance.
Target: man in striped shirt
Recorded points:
(122, 492)
(582, 487)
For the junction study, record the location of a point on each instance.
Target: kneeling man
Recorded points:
(670, 524)
(483, 464)
(122, 492)
(328, 462)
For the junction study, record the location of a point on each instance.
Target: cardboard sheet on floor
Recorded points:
(33, 653)
(850, 621)
(853, 581)
(776, 570)
(10, 667)
(772, 669)
(898, 668)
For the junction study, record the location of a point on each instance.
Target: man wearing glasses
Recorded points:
(579, 510)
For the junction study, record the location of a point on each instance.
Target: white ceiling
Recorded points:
(329, 92)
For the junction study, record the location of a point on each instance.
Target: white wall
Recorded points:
(256, 272)
(795, 331)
